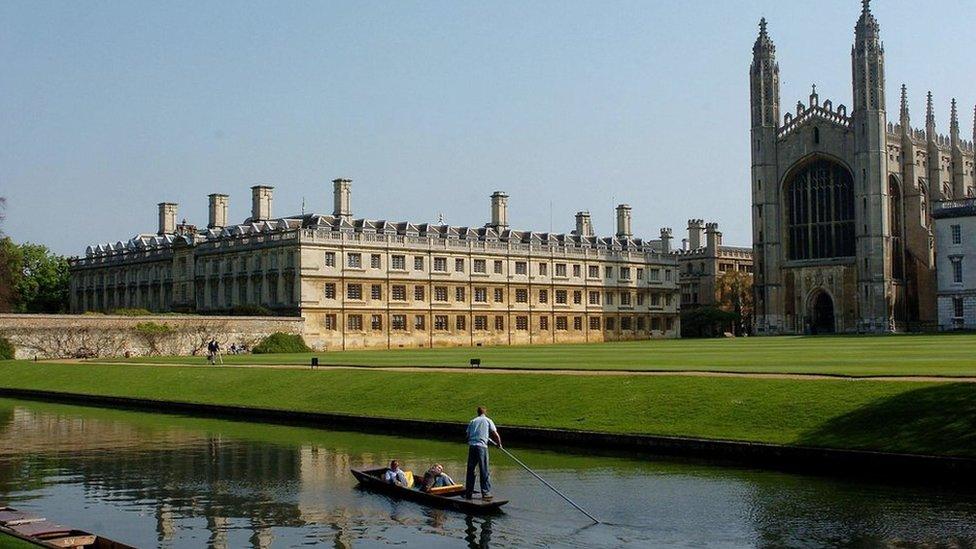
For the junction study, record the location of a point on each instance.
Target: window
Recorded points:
(625, 273)
(376, 291)
(481, 295)
(655, 323)
(577, 297)
(640, 323)
(640, 298)
(609, 324)
(543, 269)
(440, 264)
(655, 300)
(459, 265)
(521, 267)
(543, 296)
(544, 323)
(480, 266)
(329, 322)
(354, 291)
(820, 211)
(418, 293)
(577, 270)
(522, 323)
(956, 269)
(440, 322)
(440, 293)
(418, 263)
(561, 323)
(399, 262)
(667, 275)
(498, 266)
(480, 322)
(376, 323)
(640, 273)
(593, 271)
(420, 322)
(561, 297)
(354, 261)
(499, 322)
(521, 295)
(608, 298)
(956, 234)
(655, 274)
(957, 307)
(560, 269)
(459, 294)
(459, 322)
(608, 272)
(594, 298)
(577, 323)
(356, 323)
(374, 261)
(625, 323)
(330, 292)
(398, 322)
(594, 323)
(499, 295)
(398, 293)
(625, 298)
(330, 259)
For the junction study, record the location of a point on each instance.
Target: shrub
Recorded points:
(707, 322)
(130, 312)
(6, 349)
(281, 343)
(153, 334)
(250, 310)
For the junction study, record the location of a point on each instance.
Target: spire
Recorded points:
(867, 58)
(974, 125)
(867, 22)
(764, 80)
(953, 121)
(764, 46)
(929, 111)
(904, 105)
(814, 98)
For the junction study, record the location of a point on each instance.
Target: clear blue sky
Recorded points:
(110, 107)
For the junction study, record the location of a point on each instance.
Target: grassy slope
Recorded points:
(946, 355)
(894, 416)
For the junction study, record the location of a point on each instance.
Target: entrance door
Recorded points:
(823, 314)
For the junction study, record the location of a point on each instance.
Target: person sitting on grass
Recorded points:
(394, 475)
(435, 478)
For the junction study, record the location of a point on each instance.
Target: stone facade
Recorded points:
(361, 283)
(955, 235)
(842, 202)
(703, 260)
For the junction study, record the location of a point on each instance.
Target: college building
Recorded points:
(702, 262)
(955, 233)
(361, 283)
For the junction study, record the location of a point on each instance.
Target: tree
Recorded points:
(34, 278)
(7, 268)
(734, 292)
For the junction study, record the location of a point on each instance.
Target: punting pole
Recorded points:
(550, 486)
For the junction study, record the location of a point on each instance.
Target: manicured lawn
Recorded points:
(935, 418)
(936, 355)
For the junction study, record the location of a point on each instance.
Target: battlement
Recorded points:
(824, 112)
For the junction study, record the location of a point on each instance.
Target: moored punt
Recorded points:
(447, 497)
(44, 533)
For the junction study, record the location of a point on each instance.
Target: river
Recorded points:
(159, 480)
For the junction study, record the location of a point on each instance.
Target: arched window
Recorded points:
(816, 135)
(820, 211)
(895, 223)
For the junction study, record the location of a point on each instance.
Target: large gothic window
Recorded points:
(820, 210)
(894, 222)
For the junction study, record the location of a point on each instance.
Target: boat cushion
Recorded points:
(409, 475)
(450, 489)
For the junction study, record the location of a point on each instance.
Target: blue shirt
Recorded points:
(478, 430)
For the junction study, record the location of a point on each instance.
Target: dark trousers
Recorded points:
(477, 457)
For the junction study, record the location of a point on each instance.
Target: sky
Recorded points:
(109, 108)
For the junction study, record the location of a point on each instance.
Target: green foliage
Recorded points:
(250, 310)
(152, 329)
(6, 349)
(707, 322)
(281, 343)
(130, 312)
(37, 278)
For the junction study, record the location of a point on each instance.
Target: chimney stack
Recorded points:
(261, 202)
(623, 221)
(696, 229)
(713, 238)
(342, 198)
(666, 240)
(584, 227)
(167, 218)
(218, 211)
(499, 211)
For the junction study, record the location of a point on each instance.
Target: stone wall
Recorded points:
(67, 336)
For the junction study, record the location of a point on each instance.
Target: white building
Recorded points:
(955, 237)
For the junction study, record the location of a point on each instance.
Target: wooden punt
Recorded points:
(44, 533)
(448, 497)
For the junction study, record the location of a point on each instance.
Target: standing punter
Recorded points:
(479, 430)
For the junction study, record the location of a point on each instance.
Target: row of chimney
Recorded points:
(584, 227)
(261, 198)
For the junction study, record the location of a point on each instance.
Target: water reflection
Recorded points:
(170, 481)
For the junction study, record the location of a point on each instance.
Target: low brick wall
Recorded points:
(67, 336)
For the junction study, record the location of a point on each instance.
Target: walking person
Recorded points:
(480, 429)
(218, 357)
(212, 351)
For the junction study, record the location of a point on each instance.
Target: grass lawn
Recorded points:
(933, 418)
(936, 355)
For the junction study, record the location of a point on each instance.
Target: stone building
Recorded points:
(703, 260)
(842, 200)
(955, 253)
(362, 283)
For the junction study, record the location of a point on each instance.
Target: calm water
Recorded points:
(172, 481)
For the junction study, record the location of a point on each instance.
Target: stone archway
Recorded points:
(822, 313)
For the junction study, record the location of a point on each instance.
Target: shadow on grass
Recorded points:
(937, 420)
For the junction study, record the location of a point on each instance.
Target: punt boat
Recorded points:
(445, 497)
(44, 533)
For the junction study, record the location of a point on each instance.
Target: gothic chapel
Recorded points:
(841, 201)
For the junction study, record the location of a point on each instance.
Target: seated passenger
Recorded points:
(394, 475)
(435, 477)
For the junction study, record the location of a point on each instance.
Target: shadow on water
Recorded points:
(939, 419)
